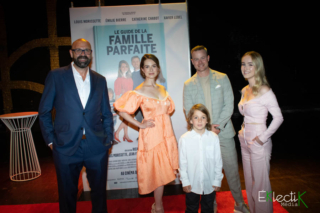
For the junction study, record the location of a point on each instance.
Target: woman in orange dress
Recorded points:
(123, 84)
(157, 156)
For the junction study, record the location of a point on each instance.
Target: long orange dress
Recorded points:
(157, 155)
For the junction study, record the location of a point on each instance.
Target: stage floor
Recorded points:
(287, 175)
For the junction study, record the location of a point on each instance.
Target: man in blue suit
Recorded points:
(82, 132)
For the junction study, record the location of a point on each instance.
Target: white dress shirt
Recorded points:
(83, 87)
(200, 161)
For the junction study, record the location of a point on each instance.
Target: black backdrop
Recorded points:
(283, 33)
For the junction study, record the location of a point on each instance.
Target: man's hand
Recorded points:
(187, 189)
(216, 188)
(213, 128)
(50, 146)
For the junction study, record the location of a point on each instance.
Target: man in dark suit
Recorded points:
(82, 132)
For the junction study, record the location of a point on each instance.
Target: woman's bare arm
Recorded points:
(145, 123)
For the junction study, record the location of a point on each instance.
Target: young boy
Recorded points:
(200, 161)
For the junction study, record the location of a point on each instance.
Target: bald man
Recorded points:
(82, 131)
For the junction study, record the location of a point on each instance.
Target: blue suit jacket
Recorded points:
(60, 91)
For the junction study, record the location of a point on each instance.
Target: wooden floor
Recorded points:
(294, 168)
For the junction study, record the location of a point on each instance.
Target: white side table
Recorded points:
(24, 163)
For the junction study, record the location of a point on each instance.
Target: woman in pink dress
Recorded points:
(123, 84)
(255, 137)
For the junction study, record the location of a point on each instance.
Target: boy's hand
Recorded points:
(216, 188)
(187, 189)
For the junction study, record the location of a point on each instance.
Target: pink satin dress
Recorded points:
(256, 157)
(157, 156)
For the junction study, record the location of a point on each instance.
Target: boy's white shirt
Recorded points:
(200, 161)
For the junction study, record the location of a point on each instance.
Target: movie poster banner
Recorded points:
(119, 43)
(119, 37)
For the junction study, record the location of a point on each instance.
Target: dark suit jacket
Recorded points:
(61, 92)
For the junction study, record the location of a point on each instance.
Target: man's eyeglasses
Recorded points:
(79, 51)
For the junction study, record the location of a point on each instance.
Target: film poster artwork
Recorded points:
(118, 50)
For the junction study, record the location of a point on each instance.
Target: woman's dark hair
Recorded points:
(144, 58)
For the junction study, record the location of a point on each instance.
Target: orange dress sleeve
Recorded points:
(129, 102)
(172, 106)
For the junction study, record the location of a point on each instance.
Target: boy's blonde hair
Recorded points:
(202, 109)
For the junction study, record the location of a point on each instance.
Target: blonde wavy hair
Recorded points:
(259, 76)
